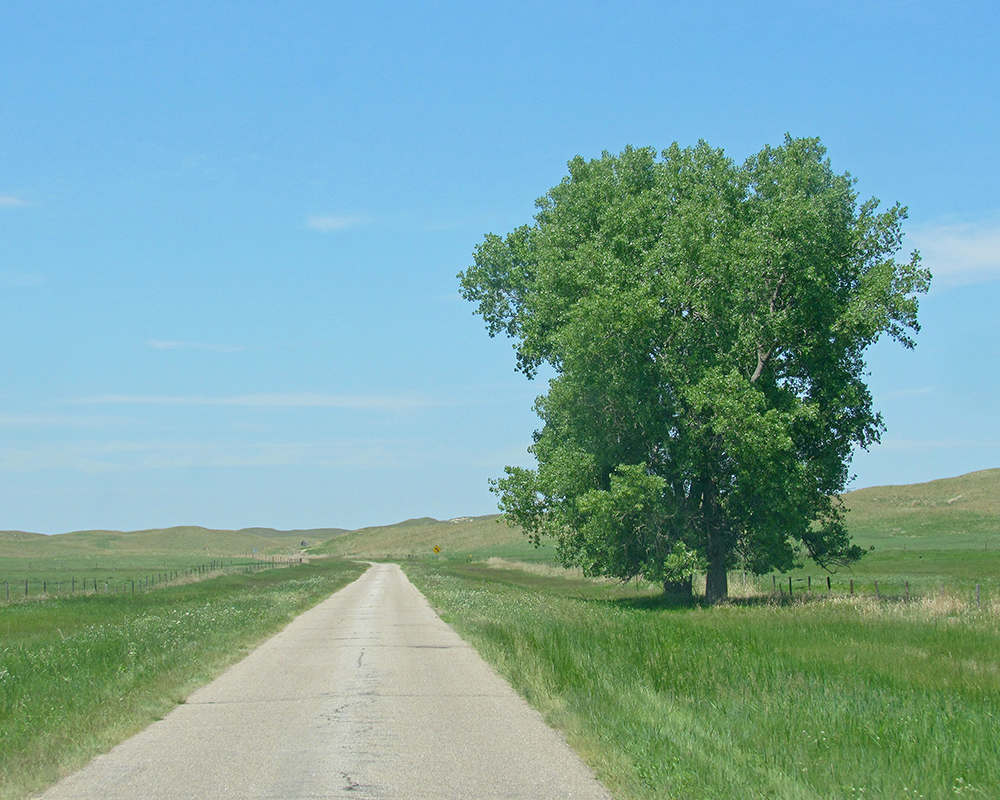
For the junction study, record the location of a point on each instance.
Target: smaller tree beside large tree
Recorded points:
(707, 324)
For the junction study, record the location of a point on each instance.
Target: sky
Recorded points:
(230, 232)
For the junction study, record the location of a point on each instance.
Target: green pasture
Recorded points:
(923, 536)
(957, 519)
(941, 533)
(960, 513)
(66, 575)
(123, 562)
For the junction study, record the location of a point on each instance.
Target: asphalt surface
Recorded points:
(367, 695)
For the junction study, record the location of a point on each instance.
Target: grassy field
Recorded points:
(78, 674)
(945, 532)
(846, 698)
(62, 576)
(122, 562)
(924, 535)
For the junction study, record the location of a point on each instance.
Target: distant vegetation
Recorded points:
(115, 560)
(941, 532)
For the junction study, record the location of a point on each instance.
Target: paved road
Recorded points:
(367, 695)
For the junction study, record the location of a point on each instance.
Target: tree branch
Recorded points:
(764, 355)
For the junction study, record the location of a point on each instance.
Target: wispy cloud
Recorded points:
(11, 201)
(57, 421)
(160, 344)
(960, 254)
(287, 400)
(131, 456)
(327, 223)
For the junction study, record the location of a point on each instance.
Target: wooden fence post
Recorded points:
(789, 587)
(876, 590)
(852, 587)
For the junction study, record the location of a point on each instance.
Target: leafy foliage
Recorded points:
(707, 324)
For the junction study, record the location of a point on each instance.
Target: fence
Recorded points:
(17, 589)
(790, 588)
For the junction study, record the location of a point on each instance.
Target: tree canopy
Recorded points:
(707, 323)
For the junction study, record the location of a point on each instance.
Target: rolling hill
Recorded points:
(961, 512)
(951, 513)
(188, 539)
(475, 537)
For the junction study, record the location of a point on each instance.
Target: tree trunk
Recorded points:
(717, 579)
(679, 591)
(716, 545)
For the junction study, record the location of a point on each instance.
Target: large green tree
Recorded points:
(706, 323)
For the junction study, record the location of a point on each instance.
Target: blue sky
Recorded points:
(229, 232)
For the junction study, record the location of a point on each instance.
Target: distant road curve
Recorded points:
(369, 695)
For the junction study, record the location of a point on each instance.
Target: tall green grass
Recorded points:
(79, 674)
(846, 698)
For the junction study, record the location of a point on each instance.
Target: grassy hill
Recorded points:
(114, 558)
(961, 513)
(187, 539)
(476, 537)
(952, 513)
(465, 537)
